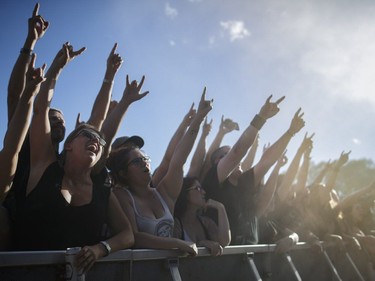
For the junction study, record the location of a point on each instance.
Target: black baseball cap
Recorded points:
(123, 141)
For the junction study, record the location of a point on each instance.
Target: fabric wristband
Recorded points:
(258, 121)
(106, 247)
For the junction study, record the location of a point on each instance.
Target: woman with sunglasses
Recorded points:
(191, 223)
(150, 208)
(62, 204)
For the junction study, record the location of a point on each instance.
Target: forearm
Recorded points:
(302, 174)
(102, 101)
(224, 235)
(248, 162)
(198, 157)
(289, 176)
(145, 240)
(121, 241)
(267, 192)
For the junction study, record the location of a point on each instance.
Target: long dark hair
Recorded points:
(117, 162)
(181, 203)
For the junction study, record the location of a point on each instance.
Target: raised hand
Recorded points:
(228, 125)
(206, 127)
(270, 109)
(114, 61)
(133, 89)
(307, 142)
(344, 157)
(297, 123)
(34, 77)
(204, 106)
(190, 115)
(66, 54)
(37, 24)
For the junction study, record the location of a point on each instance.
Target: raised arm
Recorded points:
(238, 151)
(248, 161)
(197, 160)
(331, 181)
(161, 171)
(319, 178)
(112, 123)
(41, 147)
(170, 185)
(285, 186)
(273, 153)
(226, 126)
(267, 192)
(352, 198)
(103, 99)
(37, 26)
(303, 172)
(18, 127)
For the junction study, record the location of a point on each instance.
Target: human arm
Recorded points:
(238, 151)
(164, 164)
(287, 242)
(248, 161)
(18, 127)
(352, 198)
(267, 192)
(42, 151)
(197, 160)
(112, 123)
(226, 126)
(331, 181)
(170, 185)
(273, 153)
(219, 232)
(301, 185)
(123, 237)
(319, 178)
(146, 240)
(102, 101)
(37, 26)
(285, 187)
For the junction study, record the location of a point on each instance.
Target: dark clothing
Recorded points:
(44, 220)
(239, 204)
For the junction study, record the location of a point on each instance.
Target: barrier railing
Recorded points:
(252, 262)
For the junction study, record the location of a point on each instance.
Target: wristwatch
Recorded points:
(106, 247)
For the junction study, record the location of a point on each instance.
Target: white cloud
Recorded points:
(170, 11)
(172, 43)
(356, 141)
(236, 29)
(332, 44)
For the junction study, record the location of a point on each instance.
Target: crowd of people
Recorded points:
(99, 193)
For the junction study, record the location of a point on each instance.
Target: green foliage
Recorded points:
(352, 176)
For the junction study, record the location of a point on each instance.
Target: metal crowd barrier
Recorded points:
(253, 262)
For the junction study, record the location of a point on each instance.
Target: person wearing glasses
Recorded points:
(64, 205)
(150, 209)
(191, 223)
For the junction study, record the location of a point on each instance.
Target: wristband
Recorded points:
(107, 81)
(25, 51)
(258, 121)
(106, 247)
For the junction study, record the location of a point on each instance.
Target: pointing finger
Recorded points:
(280, 100)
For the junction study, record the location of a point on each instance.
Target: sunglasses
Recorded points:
(139, 161)
(197, 187)
(92, 135)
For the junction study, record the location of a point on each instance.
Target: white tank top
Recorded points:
(162, 226)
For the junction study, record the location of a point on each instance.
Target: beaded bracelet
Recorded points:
(258, 121)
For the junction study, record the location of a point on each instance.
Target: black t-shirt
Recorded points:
(45, 221)
(239, 204)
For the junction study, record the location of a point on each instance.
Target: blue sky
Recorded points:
(319, 54)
